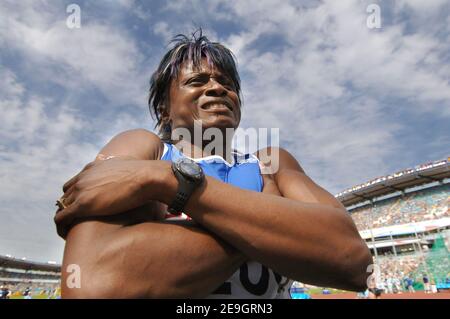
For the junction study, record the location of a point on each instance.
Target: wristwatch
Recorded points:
(190, 176)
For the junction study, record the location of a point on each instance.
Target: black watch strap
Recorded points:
(185, 189)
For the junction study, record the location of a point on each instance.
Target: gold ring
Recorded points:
(60, 203)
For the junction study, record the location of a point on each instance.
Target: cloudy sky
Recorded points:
(352, 102)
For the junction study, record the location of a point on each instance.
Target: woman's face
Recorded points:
(205, 95)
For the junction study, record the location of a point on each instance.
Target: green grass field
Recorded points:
(318, 291)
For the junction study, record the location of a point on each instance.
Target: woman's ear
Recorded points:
(166, 123)
(164, 114)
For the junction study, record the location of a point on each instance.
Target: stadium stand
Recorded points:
(27, 279)
(418, 206)
(405, 219)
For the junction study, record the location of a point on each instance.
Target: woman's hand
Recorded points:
(109, 187)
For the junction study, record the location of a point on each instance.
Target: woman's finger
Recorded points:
(69, 198)
(63, 218)
(69, 191)
(70, 182)
(74, 179)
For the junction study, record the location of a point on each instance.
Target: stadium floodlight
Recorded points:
(9, 256)
(23, 258)
(51, 262)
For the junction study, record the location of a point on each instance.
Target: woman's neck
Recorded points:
(193, 150)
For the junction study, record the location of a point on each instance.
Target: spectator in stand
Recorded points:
(381, 285)
(27, 293)
(4, 292)
(373, 291)
(426, 284)
(409, 282)
(433, 286)
(397, 286)
(390, 284)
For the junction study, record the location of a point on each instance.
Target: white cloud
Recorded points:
(38, 153)
(423, 7)
(327, 88)
(9, 87)
(99, 55)
(162, 29)
(42, 136)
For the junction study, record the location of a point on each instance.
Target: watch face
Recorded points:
(190, 169)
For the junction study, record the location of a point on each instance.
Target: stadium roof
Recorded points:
(422, 174)
(11, 262)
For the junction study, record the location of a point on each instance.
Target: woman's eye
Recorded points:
(229, 85)
(196, 81)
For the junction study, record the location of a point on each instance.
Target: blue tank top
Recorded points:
(252, 280)
(243, 172)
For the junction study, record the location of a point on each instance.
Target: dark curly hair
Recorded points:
(192, 50)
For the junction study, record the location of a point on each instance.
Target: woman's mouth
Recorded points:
(216, 107)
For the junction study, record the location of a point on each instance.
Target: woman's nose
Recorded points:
(215, 89)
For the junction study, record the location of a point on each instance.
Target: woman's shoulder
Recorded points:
(138, 132)
(274, 158)
(139, 143)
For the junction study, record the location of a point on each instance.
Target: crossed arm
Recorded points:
(304, 234)
(147, 260)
